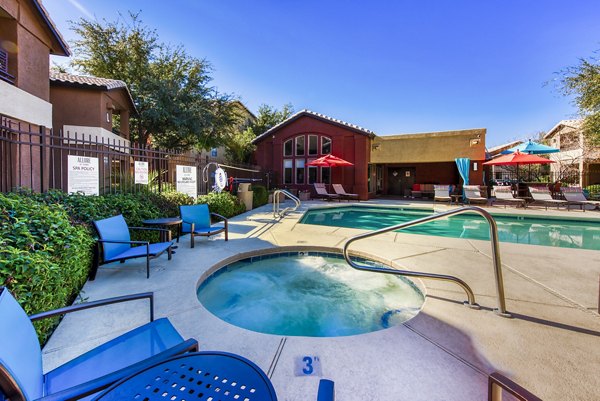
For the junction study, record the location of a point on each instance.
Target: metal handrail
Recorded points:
(276, 211)
(501, 310)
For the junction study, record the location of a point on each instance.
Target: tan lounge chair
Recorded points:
(322, 192)
(504, 195)
(339, 189)
(575, 196)
(473, 194)
(543, 196)
(442, 193)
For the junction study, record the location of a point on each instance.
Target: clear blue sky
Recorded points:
(389, 66)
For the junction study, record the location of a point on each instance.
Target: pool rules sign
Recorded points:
(83, 175)
(186, 180)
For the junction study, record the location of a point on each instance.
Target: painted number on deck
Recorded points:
(307, 365)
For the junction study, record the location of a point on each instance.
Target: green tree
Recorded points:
(269, 116)
(176, 106)
(244, 130)
(583, 81)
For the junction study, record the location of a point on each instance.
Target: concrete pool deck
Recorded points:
(550, 346)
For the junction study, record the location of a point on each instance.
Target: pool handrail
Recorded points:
(282, 213)
(501, 310)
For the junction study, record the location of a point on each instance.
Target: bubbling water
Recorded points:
(317, 296)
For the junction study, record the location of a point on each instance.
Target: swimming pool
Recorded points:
(305, 293)
(565, 233)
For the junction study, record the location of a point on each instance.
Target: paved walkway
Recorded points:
(550, 346)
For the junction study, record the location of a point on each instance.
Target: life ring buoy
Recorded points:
(220, 179)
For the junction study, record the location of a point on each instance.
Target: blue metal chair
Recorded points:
(114, 244)
(196, 220)
(21, 376)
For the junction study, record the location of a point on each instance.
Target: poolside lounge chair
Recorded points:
(472, 194)
(575, 196)
(504, 195)
(196, 220)
(543, 196)
(21, 374)
(339, 190)
(442, 193)
(322, 192)
(115, 244)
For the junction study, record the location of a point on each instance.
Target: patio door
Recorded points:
(400, 180)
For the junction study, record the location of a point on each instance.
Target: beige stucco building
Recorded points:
(578, 162)
(400, 161)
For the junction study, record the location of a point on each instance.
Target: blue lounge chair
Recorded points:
(196, 220)
(114, 244)
(21, 375)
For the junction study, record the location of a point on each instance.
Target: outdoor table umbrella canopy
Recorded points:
(329, 161)
(532, 148)
(516, 159)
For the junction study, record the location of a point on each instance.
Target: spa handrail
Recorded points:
(501, 310)
(281, 213)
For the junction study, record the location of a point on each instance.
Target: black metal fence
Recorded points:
(38, 158)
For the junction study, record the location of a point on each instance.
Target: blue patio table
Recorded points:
(206, 375)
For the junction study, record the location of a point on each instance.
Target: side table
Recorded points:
(456, 199)
(165, 222)
(206, 375)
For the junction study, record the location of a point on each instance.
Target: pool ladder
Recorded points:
(281, 213)
(501, 310)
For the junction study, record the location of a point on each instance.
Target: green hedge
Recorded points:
(223, 203)
(46, 240)
(44, 260)
(260, 196)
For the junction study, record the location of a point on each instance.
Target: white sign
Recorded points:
(307, 365)
(83, 175)
(141, 172)
(186, 180)
(220, 179)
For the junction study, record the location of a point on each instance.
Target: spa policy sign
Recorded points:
(186, 180)
(141, 172)
(83, 175)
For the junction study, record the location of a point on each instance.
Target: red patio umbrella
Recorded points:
(516, 159)
(329, 161)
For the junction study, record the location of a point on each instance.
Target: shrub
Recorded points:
(223, 203)
(44, 260)
(260, 196)
(593, 190)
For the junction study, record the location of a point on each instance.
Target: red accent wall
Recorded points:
(345, 143)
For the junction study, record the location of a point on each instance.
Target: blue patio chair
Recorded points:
(196, 220)
(114, 244)
(21, 375)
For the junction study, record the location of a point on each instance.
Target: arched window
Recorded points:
(288, 147)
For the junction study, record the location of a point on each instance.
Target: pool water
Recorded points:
(565, 233)
(308, 294)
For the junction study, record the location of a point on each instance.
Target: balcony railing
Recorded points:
(4, 75)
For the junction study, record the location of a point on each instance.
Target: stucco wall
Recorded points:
(429, 147)
(24, 106)
(76, 106)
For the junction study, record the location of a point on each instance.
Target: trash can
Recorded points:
(245, 195)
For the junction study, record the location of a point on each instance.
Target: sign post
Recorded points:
(141, 173)
(187, 180)
(83, 175)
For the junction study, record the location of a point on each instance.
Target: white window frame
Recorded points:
(316, 168)
(292, 152)
(296, 140)
(291, 168)
(321, 175)
(323, 138)
(308, 147)
(303, 161)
